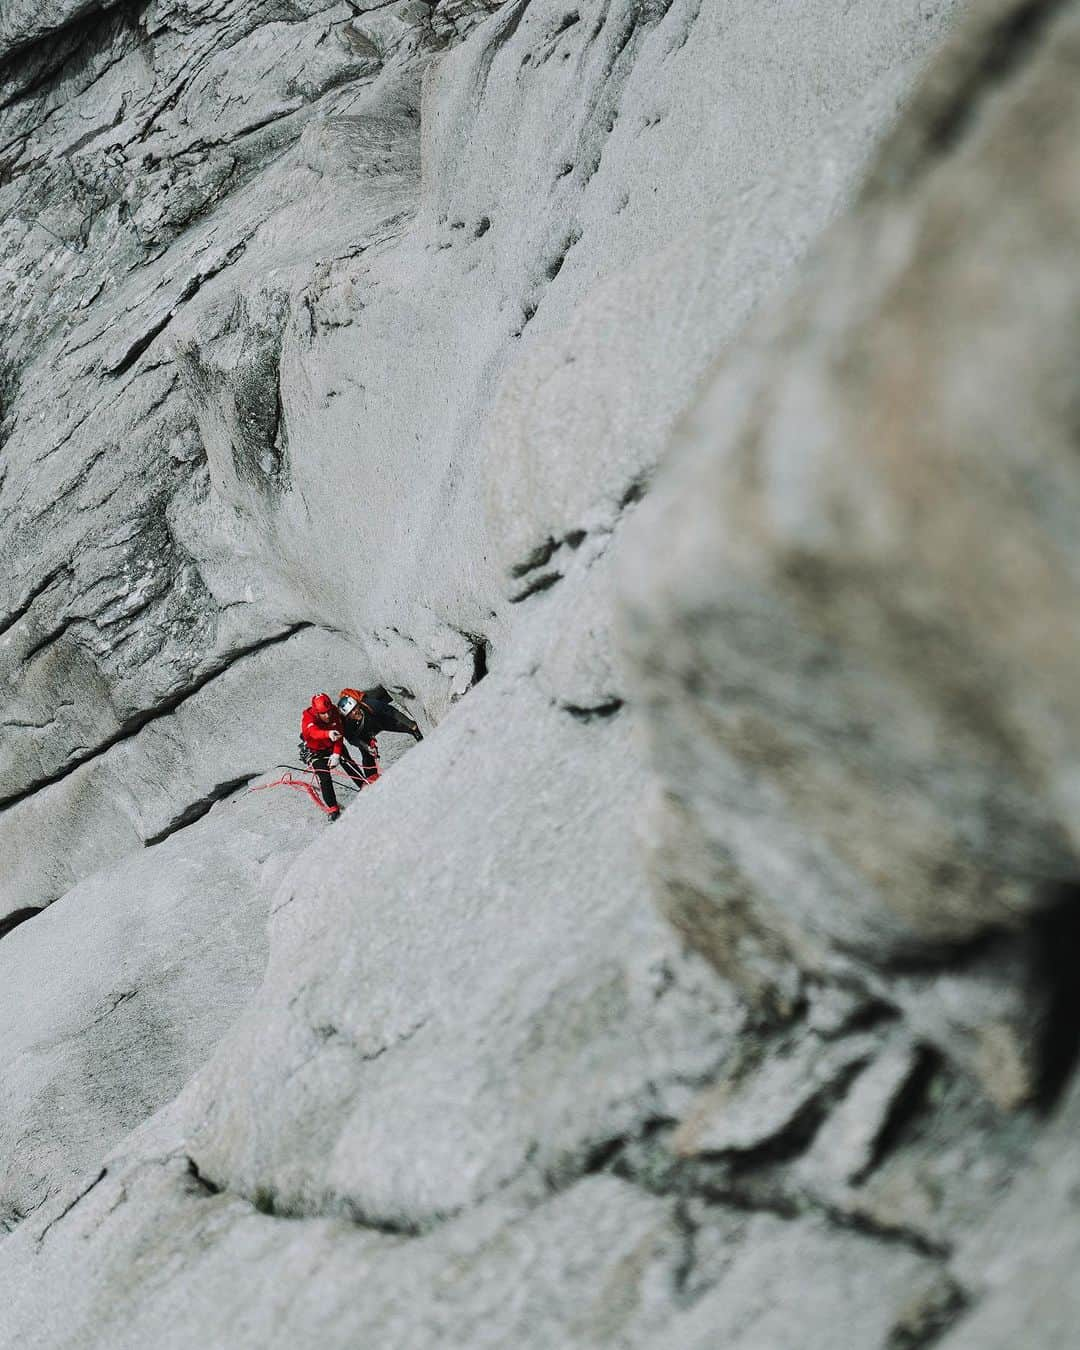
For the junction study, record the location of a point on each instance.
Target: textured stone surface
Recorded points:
(1020, 1263)
(341, 344)
(150, 783)
(859, 624)
(109, 1001)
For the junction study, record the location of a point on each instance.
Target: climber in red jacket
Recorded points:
(322, 731)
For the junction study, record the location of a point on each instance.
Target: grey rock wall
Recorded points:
(862, 626)
(611, 380)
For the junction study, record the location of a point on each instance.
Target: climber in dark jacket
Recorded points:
(322, 730)
(368, 713)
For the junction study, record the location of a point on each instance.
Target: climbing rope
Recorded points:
(310, 783)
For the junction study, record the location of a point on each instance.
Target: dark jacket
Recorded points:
(374, 716)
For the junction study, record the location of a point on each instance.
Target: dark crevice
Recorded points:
(634, 493)
(1057, 935)
(753, 1183)
(952, 103)
(753, 1195)
(543, 553)
(528, 313)
(196, 810)
(118, 1000)
(267, 1201)
(44, 56)
(14, 1214)
(617, 1155)
(573, 539)
(596, 711)
(142, 343)
(871, 1015)
(204, 1184)
(601, 1156)
(903, 1112)
(502, 31)
(796, 1136)
(47, 639)
(682, 36)
(132, 725)
(552, 270)
(542, 583)
(682, 1275)
(24, 607)
(481, 651)
(69, 1207)
(1009, 43)
(17, 917)
(555, 266)
(190, 289)
(927, 1323)
(955, 957)
(882, 1231)
(400, 1228)
(540, 555)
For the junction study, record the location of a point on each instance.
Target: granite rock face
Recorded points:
(341, 345)
(861, 623)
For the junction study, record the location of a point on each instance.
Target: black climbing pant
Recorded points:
(321, 765)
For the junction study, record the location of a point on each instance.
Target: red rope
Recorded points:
(287, 780)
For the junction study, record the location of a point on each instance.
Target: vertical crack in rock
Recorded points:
(1058, 940)
(480, 651)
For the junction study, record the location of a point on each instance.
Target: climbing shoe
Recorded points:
(333, 815)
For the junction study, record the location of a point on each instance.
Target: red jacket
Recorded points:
(316, 734)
